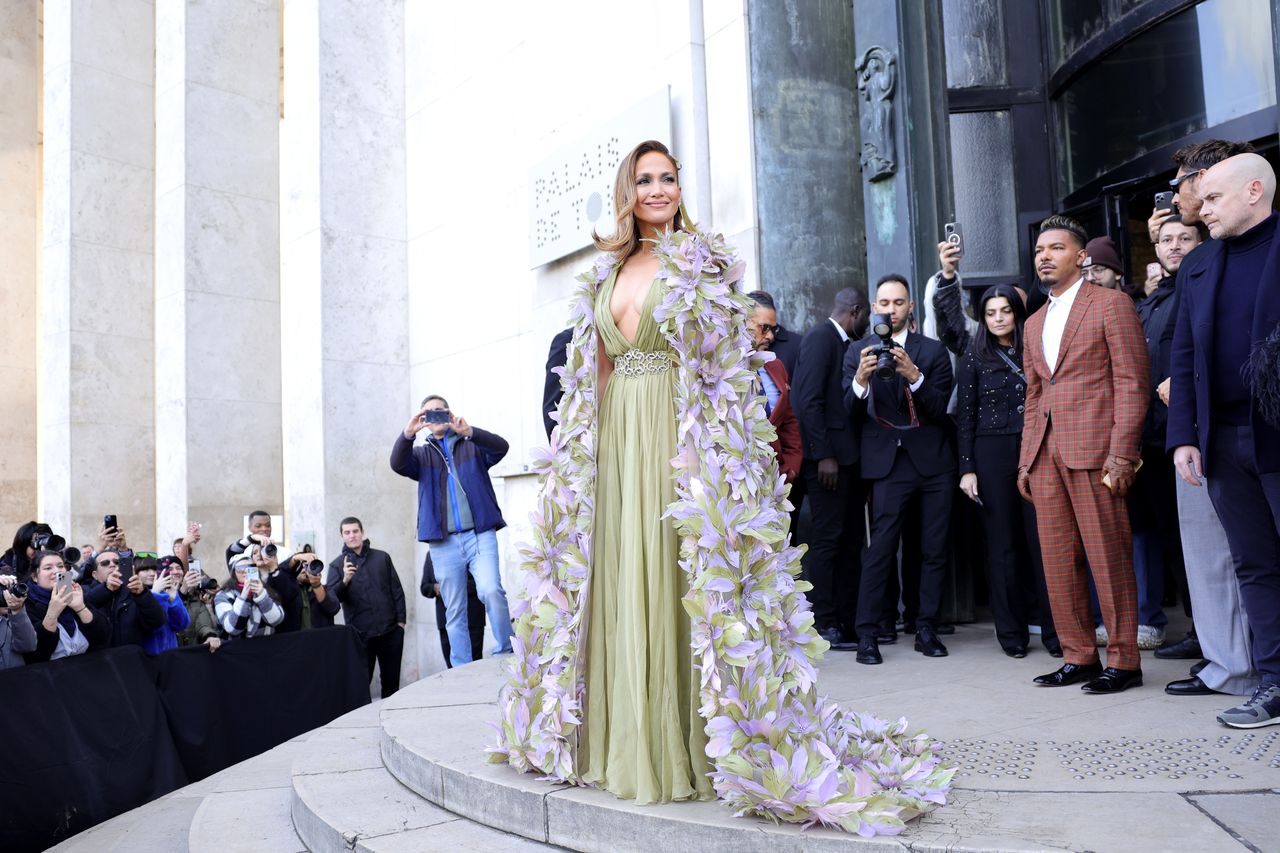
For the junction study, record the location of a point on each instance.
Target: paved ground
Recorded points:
(1039, 768)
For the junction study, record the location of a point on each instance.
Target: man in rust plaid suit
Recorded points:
(1087, 369)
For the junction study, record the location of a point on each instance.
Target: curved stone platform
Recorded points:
(1039, 768)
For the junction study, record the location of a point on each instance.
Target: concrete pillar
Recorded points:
(95, 365)
(808, 198)
(344, 286)
(217, 293)
(905, 146)
(19, 242)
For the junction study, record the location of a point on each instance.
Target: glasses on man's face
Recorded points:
(1093, 273)
(1177, 183)
(108, 562)
(766, 329)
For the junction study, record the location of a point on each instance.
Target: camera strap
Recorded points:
(912, 423)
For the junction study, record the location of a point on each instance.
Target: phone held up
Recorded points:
(1164, 200)
(436, 416)
(110, 524)
(951, 234)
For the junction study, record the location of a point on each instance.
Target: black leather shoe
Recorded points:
(839, 641)
(869, 652)
(928, 644)
(1192, 686)
(1197, 668)
(1188, 648)
(1069, 673)
(1016, 651)
(1114, 680)
(887, 638)
(1054, 649)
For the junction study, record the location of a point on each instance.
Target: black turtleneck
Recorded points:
(1246, 255)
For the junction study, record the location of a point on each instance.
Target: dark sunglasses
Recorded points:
(108, 562)
(1178, 182)
(767, 329)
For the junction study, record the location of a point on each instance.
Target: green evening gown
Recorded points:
(642, 736)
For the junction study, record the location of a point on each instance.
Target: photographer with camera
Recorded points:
(458, 515)
(365, 581)
(30, 537)
(164, 578)
(259, 534)
(906, 452)
(17, 634)
(315, 607)
(65, 623)
(244, 606)
(119, 592)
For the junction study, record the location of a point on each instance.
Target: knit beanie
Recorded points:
(1101, 252)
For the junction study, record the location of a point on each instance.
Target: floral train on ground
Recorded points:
(777, 748)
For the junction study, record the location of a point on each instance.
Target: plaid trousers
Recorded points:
(1078, 518)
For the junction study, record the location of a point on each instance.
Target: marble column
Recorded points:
(19, 227)
(344, 287)
(217, 293)
(95, 362)
(803, 88)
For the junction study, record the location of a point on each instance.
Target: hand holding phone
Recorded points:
(951, 234)
(348, 570)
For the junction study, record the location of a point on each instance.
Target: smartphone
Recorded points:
(251, 573)
(436, 416)
(193, 565)
(1164, 201)
(951, 233)
(62, 581)
(1154, 269)
(109, 522)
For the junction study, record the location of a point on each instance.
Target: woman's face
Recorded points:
(657, 191)
(242, 575)
(998, 315)
(47, 572)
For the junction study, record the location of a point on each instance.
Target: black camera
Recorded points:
(882, 328)
(269, 550)
(48, 542)
(207, 583)
(18, 590)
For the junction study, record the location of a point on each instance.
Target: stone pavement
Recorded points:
(1039, 769)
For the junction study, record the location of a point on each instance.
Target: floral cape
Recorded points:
(777, 748)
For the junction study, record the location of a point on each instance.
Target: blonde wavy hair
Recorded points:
(626, 238)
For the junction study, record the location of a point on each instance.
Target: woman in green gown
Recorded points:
(642, 737)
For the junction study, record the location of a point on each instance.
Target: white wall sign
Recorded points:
(571, 192)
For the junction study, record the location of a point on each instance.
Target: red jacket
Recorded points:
(787, 445)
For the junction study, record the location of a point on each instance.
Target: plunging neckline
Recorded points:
(646, 310)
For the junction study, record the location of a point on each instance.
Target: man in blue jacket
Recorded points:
(458, 515)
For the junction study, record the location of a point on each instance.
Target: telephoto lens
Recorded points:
(269, 550)
(18, 590)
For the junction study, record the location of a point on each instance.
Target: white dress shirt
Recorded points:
(1055, 323)
(844, 336)
(901, 340)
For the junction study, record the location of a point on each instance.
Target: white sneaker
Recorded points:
(1100, 635)
(1150, 637)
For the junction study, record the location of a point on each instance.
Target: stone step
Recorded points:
(244, 822)
(437, 749)
(342, 798)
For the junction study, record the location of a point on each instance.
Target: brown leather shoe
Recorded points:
(1070, 673)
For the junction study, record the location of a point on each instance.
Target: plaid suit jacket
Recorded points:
(1097, 397)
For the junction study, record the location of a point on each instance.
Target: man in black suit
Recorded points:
(1223, 418)
(786, 348)
(830, 470)
(551, 392)
(906, 452)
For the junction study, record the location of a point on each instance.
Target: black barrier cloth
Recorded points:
(90, 737)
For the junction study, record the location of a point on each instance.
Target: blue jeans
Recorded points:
(453, 557)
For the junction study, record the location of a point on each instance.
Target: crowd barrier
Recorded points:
(87, 738)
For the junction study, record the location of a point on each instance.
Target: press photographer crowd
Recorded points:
(61, 601)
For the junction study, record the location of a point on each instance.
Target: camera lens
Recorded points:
(18, 590)
(269, 549)
(885, 366)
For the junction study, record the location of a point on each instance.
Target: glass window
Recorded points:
(1204, 66)
(973, 31)
(1072, 23)
(982, 170)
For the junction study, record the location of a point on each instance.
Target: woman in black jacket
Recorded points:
(991, 390)
(65, 624)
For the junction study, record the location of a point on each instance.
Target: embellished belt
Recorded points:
(637, 363)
